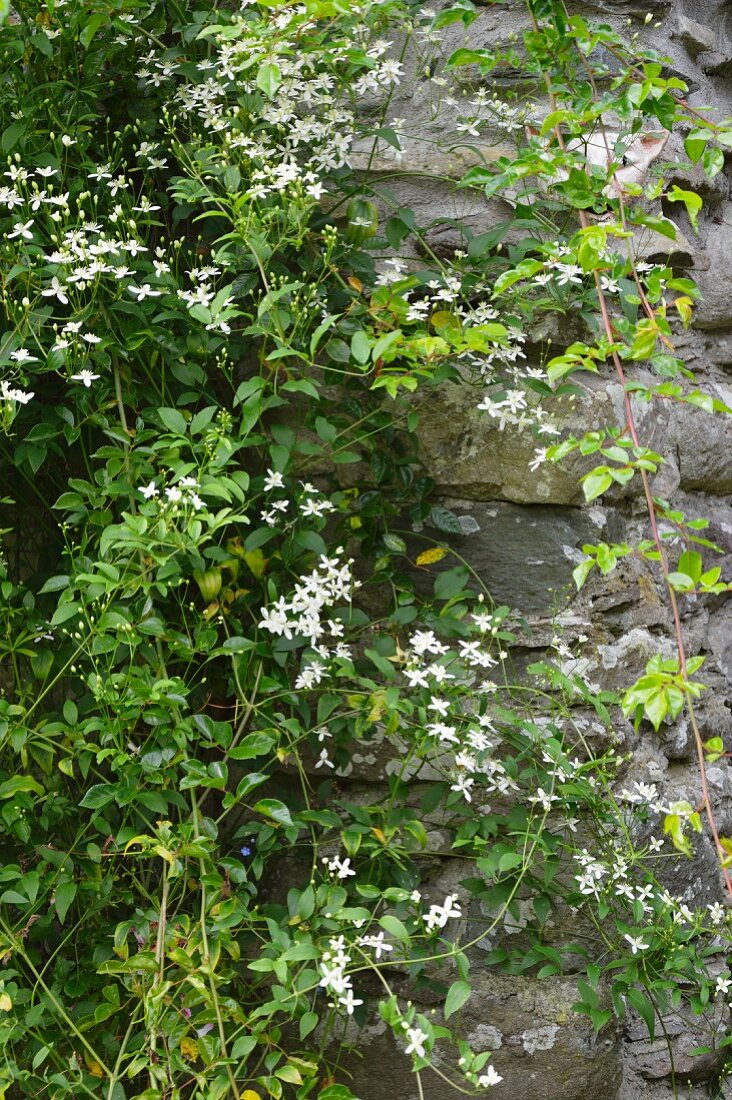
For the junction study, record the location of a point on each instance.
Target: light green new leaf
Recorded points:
(595, 484)
(691, 201)
(269, 79)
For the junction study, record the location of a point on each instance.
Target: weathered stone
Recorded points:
(670, 1052)
(695, 36)
(542, 1049)
(624, 660)
(525, 555)
(523, 532)
(468, 456)
(715, 308)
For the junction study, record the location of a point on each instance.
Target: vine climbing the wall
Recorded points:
(252, 695)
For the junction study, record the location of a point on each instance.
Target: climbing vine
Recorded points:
(252, 696)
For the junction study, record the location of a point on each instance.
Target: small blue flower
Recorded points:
(245, 851)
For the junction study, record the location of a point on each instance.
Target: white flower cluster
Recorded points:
(341, 868)
(439, 915)
(599, 879)
(333, 977)
(12, 394)
(499, 367)
(313, 506)
(74, 252)
(306, 132)
(182, 494)
(430, 664)
(493, 113)
(305, 614)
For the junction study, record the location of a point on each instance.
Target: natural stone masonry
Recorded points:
(524, 532)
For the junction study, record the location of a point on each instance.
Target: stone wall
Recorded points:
(527, 531)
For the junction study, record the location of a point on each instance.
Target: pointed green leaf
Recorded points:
(457, 995)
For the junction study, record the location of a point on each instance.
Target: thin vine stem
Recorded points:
(650, 505)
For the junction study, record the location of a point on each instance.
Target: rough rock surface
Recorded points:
(541, 1048)
(524, 532)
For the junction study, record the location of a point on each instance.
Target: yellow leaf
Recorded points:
(93, 1066)
(250, 1094)
(189, 1049)
(380, 836)
(429, 557)
(378, 705)
(5, 1003)
(256, 561)
(142, 840)
(684, 306)
(235, 546)
(67, 767)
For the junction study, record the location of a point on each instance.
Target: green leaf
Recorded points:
(656, 707)
(272, 807)
(394, 927)
(249, 783)
(90, 29)
(451, 582)
(509, 860)
(336, 1092)
(595, 484)
(56, 584)
(691, 563)
(384, 344)
(12, 134)
(695, 143)
(691, 201)
(644, 341)
(308, 1023)
(41, 42)
(457, 995)
(581, 572)
(713, 162)
(269, 79)
(243, 1046)
(40, 1057)
(644, 1007)
(19, 783)
(173, 420)
(64, 894)
(599, 1018)
(394, 543)
(445, 520)
(360, 347)
(101, 794)
(254, 744)
(319, 332)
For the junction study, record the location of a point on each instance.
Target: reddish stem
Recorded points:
(631, 427)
